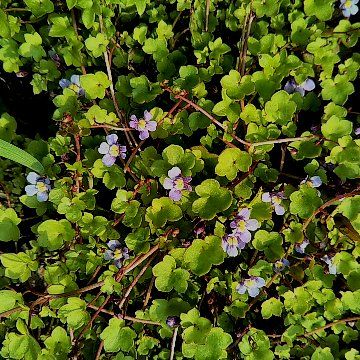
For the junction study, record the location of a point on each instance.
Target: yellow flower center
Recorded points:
(348, 3)
(114, 150)
(276, 200)
(117, 254)
(232, 241)
(241, 225)
(250, 283)
(179, 184)
(142, 124)
(41, 186)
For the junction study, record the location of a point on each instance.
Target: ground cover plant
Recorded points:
(179, 179)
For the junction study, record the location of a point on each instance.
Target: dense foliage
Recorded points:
(200, 195)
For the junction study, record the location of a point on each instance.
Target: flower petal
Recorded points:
(174, 172)
(75, 79)
(241, 288)
(108, 255)
(108, 160)
(253, 291)
(104, 148)
(168, 184)
(244, 214)
(266, 197)
(64, 83)
(175, 194)
(31, 190)
(308, 85)
(113, 244)
(252, 224)
(316, 181)
(32, 177)
(279, 210)
(151, 125)
(147, 116)
(42, 196)
(290, 86)
(143, 134)
(244, 236)
(260, 282)
(112, 139)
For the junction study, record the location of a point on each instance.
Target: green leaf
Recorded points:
(304, 201)
(322, 354)
(53, 234)
(271, 307)
(337, 90)
(58, 343)
(9, 221)
(18, 266)
(161, 211)
(270, 243)
(5, 30)
(335, 128)
(74, 313)
(231, 161)
(112, 176)
(203, 254)
(117, 336)
(168, 277)
(280, 109)
(322, 9)
(32, 47)
(213, 199)
(237, 87)
(97, 45)
(40, 7)
(20, 156)
(95, 84)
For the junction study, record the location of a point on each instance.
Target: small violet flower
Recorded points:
(300, 248)
(176, 183)
(73, 84)
(143, 125)
(291, 86)
(314, 181)
(232, 244)
(172, 321)
(280, 265)
(242, 225)
(116, 253)
(111, 150)
(251, 285)
(357, 131)
(349, 7)
(39, 186)
(329, 261)
(275, 200)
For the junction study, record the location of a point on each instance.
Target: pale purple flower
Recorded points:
(329, 261)
(275, 200)
(73, 84)
(39, 186)
(176, 183)
(280, 265)
(314, 181)
(111, 150)
(172, 321)
(300, 247)
(242, 225)
(232, 244)
(349, 7)
(116, 253)
(251, 285)
(291, 86)
(357, 131)
(143, 125)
